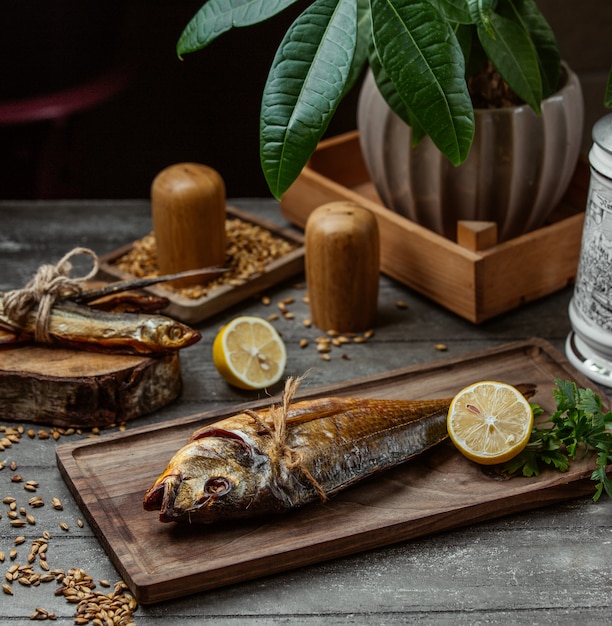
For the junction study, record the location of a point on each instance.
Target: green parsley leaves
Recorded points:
(578, 426)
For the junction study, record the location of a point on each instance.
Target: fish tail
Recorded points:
(527, 389)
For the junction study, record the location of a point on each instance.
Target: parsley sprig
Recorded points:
(578, 426)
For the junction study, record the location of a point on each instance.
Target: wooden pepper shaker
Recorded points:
(188, 207)
(342, 267)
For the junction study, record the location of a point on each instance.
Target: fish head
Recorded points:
(167, 334)
(220, 475)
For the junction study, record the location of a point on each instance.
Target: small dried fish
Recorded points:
(130, 302)
(114, 321)
(79, 326)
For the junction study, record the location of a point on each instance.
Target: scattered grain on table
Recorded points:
(28, 565)
(324, 344)
(56, 503)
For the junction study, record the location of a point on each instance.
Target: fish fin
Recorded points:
(319, 408)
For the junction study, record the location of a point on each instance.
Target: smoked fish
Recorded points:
(117, 319)
(80, 326)
(279, 458)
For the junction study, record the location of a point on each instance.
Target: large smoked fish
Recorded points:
(279, 458)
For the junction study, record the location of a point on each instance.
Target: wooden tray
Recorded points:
(475, 284)
(438, 491)
(194, 310)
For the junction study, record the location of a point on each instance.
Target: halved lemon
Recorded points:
(249, 353)
(490, 422)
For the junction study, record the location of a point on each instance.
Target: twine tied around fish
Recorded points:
(50, 283)
(293, 458)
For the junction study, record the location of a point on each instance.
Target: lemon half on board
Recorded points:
(249, 353)
(490, 422)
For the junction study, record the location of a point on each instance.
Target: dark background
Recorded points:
(204, 108)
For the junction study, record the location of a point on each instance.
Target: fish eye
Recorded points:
(175, 333)
(217, 486)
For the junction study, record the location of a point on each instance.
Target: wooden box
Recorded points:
(475, 284)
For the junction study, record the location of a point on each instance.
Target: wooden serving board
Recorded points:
(220, 298)
(436, 492)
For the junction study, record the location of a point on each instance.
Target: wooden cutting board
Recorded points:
(438, 491)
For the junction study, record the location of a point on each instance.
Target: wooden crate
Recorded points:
(475, 284)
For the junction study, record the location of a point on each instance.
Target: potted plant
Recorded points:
(424, 58)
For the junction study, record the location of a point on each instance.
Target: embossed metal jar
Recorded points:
(589, 344)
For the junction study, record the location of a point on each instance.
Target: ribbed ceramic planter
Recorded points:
(519, 166)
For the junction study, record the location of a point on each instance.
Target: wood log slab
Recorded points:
(62, 387)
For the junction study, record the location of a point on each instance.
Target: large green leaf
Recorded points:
(480, 11)
(216, 17)
(394, 100)
(388, 91)
(608, 94)
(513, 54)
(419, 52)
(362, 47)
(527, 13)
(454, 10)
(304, 87)
(465, 37)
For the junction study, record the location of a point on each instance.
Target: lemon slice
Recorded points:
(490, 422)
(249, 353)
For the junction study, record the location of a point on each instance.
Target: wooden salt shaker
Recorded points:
(188, 207)
(342, 261)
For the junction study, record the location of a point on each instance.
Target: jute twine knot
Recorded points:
(293, 458)
(50, 283)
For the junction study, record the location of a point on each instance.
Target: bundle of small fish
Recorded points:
(279, 458)
(112, 318)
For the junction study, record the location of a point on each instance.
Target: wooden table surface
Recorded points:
(548, 566)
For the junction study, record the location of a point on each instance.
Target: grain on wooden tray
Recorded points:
(249, 248)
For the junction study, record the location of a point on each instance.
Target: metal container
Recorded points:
(589, 344)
